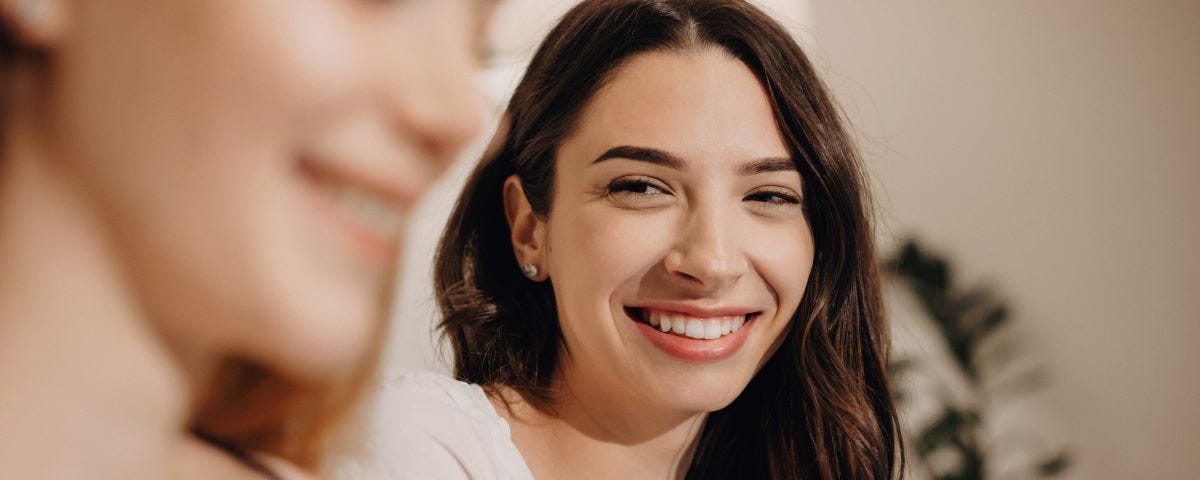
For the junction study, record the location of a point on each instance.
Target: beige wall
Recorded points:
(1049, 146)
(1054, 149)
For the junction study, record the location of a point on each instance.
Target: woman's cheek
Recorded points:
(622, 243)
(785, 254)
(321, 55)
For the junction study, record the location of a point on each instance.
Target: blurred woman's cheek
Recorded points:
(188, 121)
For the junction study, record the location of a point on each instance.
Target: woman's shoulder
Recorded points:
(428, 425)
(440, 394)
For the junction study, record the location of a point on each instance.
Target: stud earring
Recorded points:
(530, 270)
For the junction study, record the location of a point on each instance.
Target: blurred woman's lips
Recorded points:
(694, 334)
(371, 212)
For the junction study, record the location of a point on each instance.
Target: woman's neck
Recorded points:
(586, 434)
(87, 389)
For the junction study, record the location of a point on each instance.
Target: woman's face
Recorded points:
(676, 201)
(254, 161)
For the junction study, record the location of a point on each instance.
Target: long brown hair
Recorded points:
(820, 408)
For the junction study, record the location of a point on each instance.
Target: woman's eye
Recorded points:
(774, 197)
(635, 186)
(638, 193)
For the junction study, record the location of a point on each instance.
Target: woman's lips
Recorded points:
(372, 218)
(693, 338)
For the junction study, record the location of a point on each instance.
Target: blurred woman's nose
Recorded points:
(435, 98)
(708, 251)
(448, 113)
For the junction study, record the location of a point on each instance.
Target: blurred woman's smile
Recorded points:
(369, 212)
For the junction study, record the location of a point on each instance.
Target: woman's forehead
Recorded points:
(692, 104)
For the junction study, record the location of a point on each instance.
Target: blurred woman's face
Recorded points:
(677, 242)
(254, 161)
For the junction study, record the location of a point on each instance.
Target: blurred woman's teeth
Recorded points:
(692, 327)
(369, 210)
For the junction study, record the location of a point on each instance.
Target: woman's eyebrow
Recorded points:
(642, 154)
(767, 165)
(667, 159)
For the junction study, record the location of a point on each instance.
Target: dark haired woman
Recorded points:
(664, 269)
(199, 209)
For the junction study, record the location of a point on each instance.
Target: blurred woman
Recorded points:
(664, 269)
(200, 206)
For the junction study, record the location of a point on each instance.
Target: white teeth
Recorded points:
(699, 328)
(679, 325)
(369, 210)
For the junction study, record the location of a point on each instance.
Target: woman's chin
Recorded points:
(699, 395)
(321, 345)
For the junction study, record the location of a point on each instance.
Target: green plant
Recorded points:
(969, 322)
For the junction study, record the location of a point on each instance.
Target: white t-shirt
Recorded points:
(430, 426)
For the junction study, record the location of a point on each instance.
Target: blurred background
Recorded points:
(1045, 151)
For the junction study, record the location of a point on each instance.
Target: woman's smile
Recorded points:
(370, 212)
(700, 328)
(694, 335)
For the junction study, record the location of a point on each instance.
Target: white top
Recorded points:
(430, 426)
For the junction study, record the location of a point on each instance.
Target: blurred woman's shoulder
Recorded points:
(429, 425)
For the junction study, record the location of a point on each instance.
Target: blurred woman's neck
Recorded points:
(87, 388)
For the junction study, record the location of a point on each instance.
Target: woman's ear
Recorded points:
(37, 24)
(528, 232)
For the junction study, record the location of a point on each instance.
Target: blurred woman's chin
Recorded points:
(320, 343)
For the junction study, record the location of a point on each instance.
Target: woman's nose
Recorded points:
(432, 93)
(708, 251)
